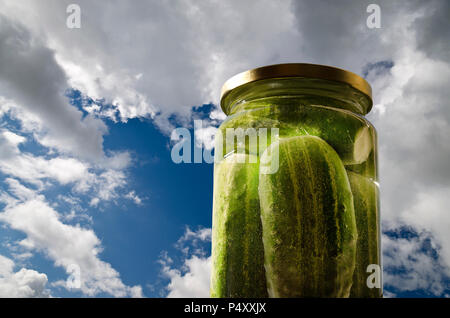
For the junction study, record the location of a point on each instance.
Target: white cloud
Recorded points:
(427, 214)
(413, 266)
(31, 77)
(193, 283)
(184, 66)
(19, 191)
(65, 245)
(134, 197)
(32, 86)
(387, 294)
(192, 278)
(179, 55)
(204, 137)
(202, 234)
(94, 201)
(35, 168)
(102, 180)
(110, 180)
(23, 283)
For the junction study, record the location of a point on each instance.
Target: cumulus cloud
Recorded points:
(153, 73)
(194, 236)
(65, 244)
(413, 263)
(33, 83)
(158, 60)
(192, 278)
(194, 282)
(24, 283)
(204, 137)
(102, 180)
(31, 77)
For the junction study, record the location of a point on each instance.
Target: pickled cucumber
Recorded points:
(237, 250)
(350, 135)
(365, 194)
(308, 221)
(245, 137)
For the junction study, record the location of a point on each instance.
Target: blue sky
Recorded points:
(135, 237)
(86, 121)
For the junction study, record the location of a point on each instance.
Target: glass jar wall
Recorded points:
(296, 202)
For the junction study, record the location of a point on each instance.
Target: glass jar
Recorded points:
(296, 198)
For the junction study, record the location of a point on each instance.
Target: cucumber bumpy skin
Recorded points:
(237, 249)
(350, 135)
(246, 120)
(308, 220)
(365, 197)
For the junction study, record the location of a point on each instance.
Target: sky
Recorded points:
(91, 202)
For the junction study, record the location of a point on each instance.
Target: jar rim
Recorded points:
(306, 70)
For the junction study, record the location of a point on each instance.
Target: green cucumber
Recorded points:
(368, 168)
(244, 126)
(350, 135)
(237, 249)
(308, 220)
(365, 198)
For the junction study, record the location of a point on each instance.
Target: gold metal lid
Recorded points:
(297, 70)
